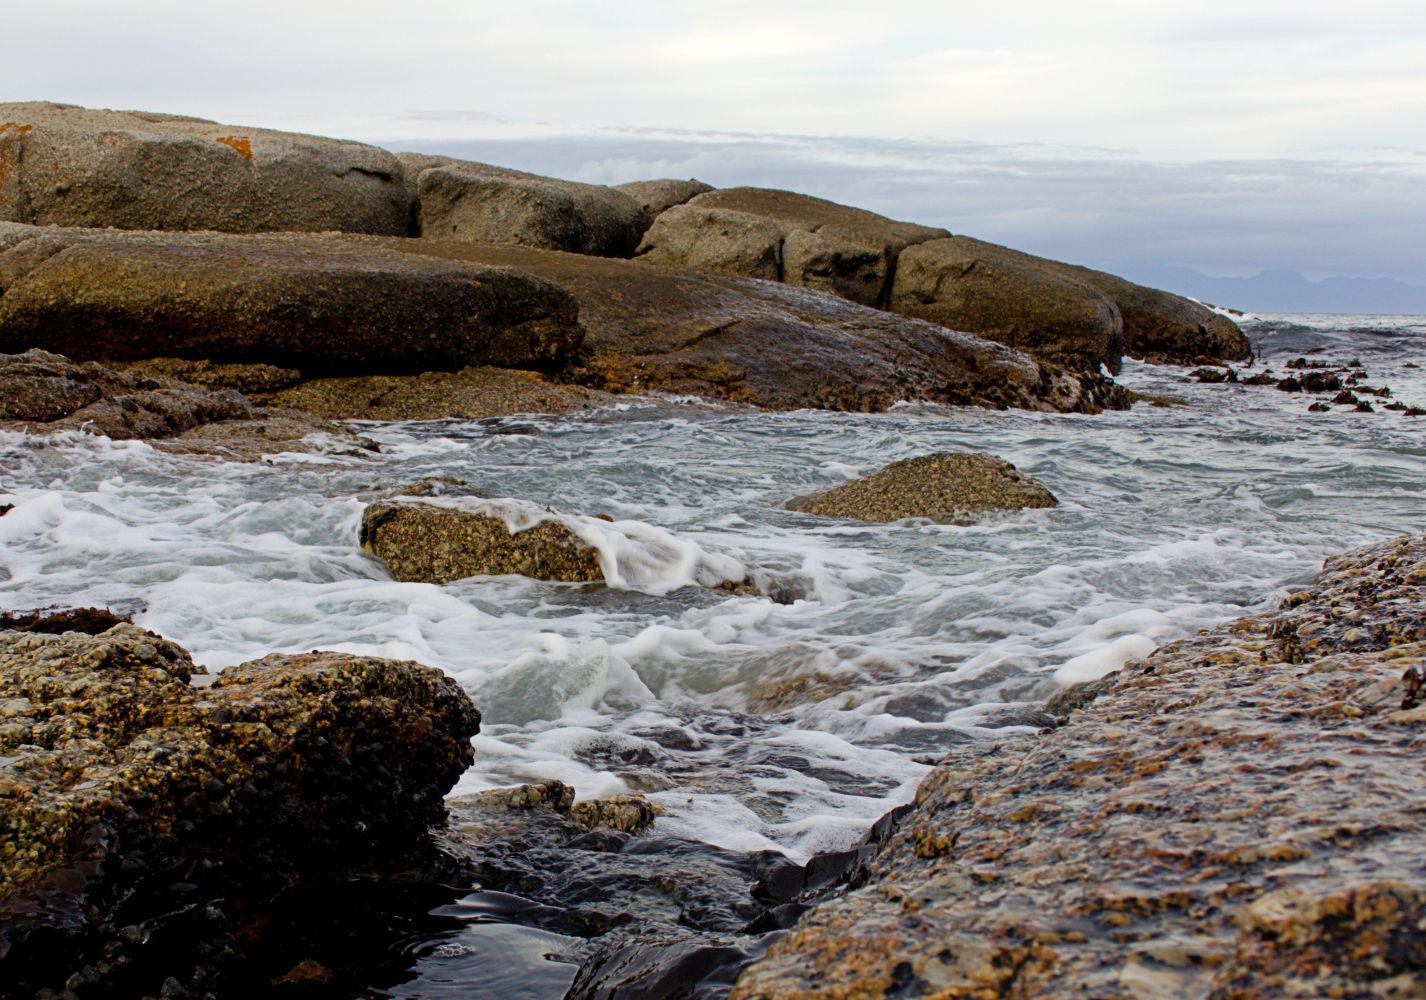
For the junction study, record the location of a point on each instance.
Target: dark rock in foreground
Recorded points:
(138, 806)
(1235, 816)
(62, 165)
(316, 302)
(947, 487)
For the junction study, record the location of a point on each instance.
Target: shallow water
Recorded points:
(754, 724)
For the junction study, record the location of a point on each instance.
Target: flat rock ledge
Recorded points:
(945, 487)
(1238, 815)
(139, 810)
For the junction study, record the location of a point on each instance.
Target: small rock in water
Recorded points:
(1290, 384)
(1321, 382)
(1365, 407)
(946, 487)
(1319, 407)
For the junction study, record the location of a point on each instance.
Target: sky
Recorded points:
(1226, 137)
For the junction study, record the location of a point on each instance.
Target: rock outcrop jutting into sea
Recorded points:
(1234, 816)
(62, 165)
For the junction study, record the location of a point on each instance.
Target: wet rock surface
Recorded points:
(322, 303)
(948, 488)
(1234, 815)
(775, 346)
(655, 916)
(142, 809)
(62, 165)
(469, 394)
(425, 543)
(40, 391)
(1316, 376)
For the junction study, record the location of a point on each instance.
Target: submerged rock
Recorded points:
(57, 621)
(321, 303)
(482, 203)
(947, 487)
(62, 165)
(1235, 815)
(139, 806)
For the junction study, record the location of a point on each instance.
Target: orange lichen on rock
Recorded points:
(243, 146)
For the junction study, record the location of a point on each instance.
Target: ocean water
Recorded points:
(753, 724)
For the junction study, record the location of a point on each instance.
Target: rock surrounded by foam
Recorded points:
(137, 804)
(946, 487)
(438, 539)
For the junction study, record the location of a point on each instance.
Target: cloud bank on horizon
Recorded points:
(1226, 137)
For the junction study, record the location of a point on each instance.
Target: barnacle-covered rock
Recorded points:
(1236, 815)
(132, 797)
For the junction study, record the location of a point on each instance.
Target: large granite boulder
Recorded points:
(784, 236)
(1165, 328)
(62, 165)
(657, 196)
(140, 808)
(947, 488)
(1024, 301)
(1074, 315)
(715, 239)
(481, 203)
(774, 345)
(1237, 815)
(318, 302)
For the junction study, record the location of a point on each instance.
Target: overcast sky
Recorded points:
(1225, 136)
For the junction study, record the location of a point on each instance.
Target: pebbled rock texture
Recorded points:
(132, 796)
(946, 487)
(1236, 816)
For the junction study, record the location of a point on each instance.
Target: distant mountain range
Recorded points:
(1288, 291)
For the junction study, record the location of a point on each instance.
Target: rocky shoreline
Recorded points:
(1229, 817)
(1232, 816)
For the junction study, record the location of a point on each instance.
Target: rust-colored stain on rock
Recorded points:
(243, 146)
